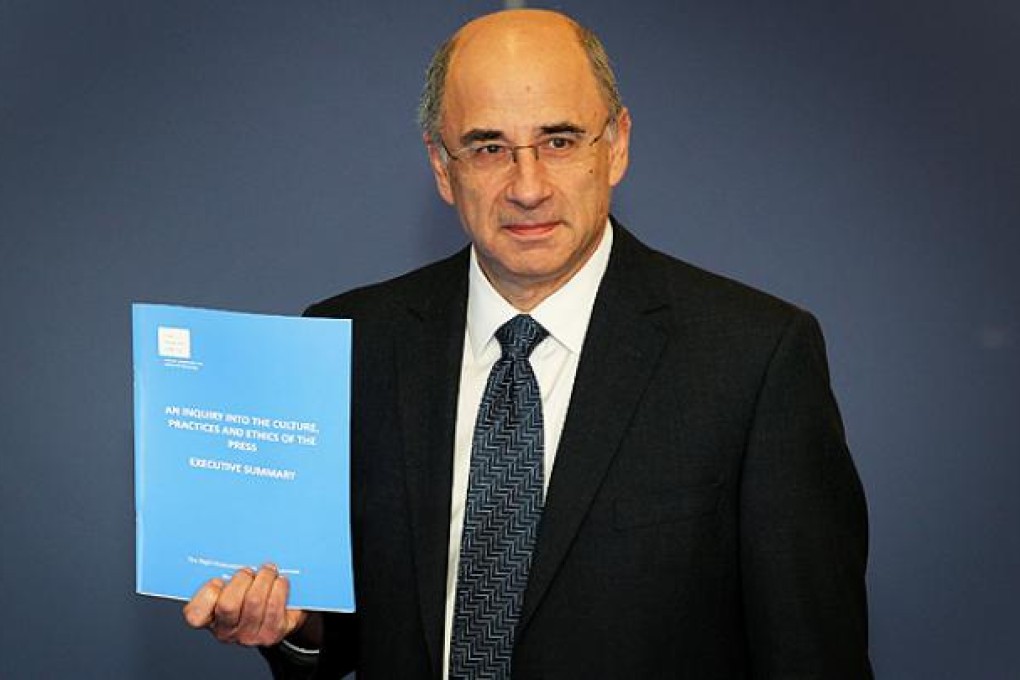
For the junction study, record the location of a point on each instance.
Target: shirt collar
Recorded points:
(565, 313)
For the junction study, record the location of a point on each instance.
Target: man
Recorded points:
(686, 506)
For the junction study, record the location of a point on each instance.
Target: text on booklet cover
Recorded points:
(242, 450)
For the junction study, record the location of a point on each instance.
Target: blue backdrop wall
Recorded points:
(861, 159)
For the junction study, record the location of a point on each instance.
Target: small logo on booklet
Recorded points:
(174, 343)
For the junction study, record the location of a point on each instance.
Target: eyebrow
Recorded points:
(480, 135)
(489, 134)
(560, 128)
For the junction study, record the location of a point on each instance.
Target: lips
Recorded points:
(530, 229)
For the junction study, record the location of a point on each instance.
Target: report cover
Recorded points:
(242, 436)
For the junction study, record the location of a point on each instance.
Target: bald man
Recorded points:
(689, 508)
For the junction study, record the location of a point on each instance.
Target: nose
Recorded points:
(527, 187)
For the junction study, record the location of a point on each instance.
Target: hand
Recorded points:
(250, 609)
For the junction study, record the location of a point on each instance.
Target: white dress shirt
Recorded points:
(565, 314)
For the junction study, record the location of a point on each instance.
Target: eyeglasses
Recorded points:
(560, 148)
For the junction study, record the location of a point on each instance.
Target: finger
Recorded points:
(296, 618)
(277, 622)
(230, 605)
(198, 612)
(254, 606)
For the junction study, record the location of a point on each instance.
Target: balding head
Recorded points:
(519, 80)
(511, 29)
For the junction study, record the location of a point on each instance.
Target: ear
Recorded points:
(438, 161)
(620, 149)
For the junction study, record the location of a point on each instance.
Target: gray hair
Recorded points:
(430, 106)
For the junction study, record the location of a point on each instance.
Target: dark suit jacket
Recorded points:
(703, 519)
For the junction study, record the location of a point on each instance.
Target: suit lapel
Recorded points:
(624, 341)
(429, 359)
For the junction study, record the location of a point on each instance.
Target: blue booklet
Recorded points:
(242, 450)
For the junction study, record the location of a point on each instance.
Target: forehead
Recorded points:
(519, 77)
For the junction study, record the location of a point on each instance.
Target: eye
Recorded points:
(560, 144)
(488, 149)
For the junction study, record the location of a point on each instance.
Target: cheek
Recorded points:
(476, 206)
(482, 199)
(463, 196)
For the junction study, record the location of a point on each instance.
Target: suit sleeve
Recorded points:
(334, 660)
(285, 664)
(804, 533)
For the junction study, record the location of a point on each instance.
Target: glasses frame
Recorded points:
(515, 148)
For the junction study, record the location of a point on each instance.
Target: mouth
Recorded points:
(530, 229)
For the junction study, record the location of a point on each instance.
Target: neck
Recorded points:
(525, 293)
(525, 298)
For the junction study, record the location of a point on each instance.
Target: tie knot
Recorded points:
(519, 336)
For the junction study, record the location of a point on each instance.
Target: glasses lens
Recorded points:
(487, 156)
(552, 150)
(559, 150)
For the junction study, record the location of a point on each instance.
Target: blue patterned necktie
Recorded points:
(504, 505)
